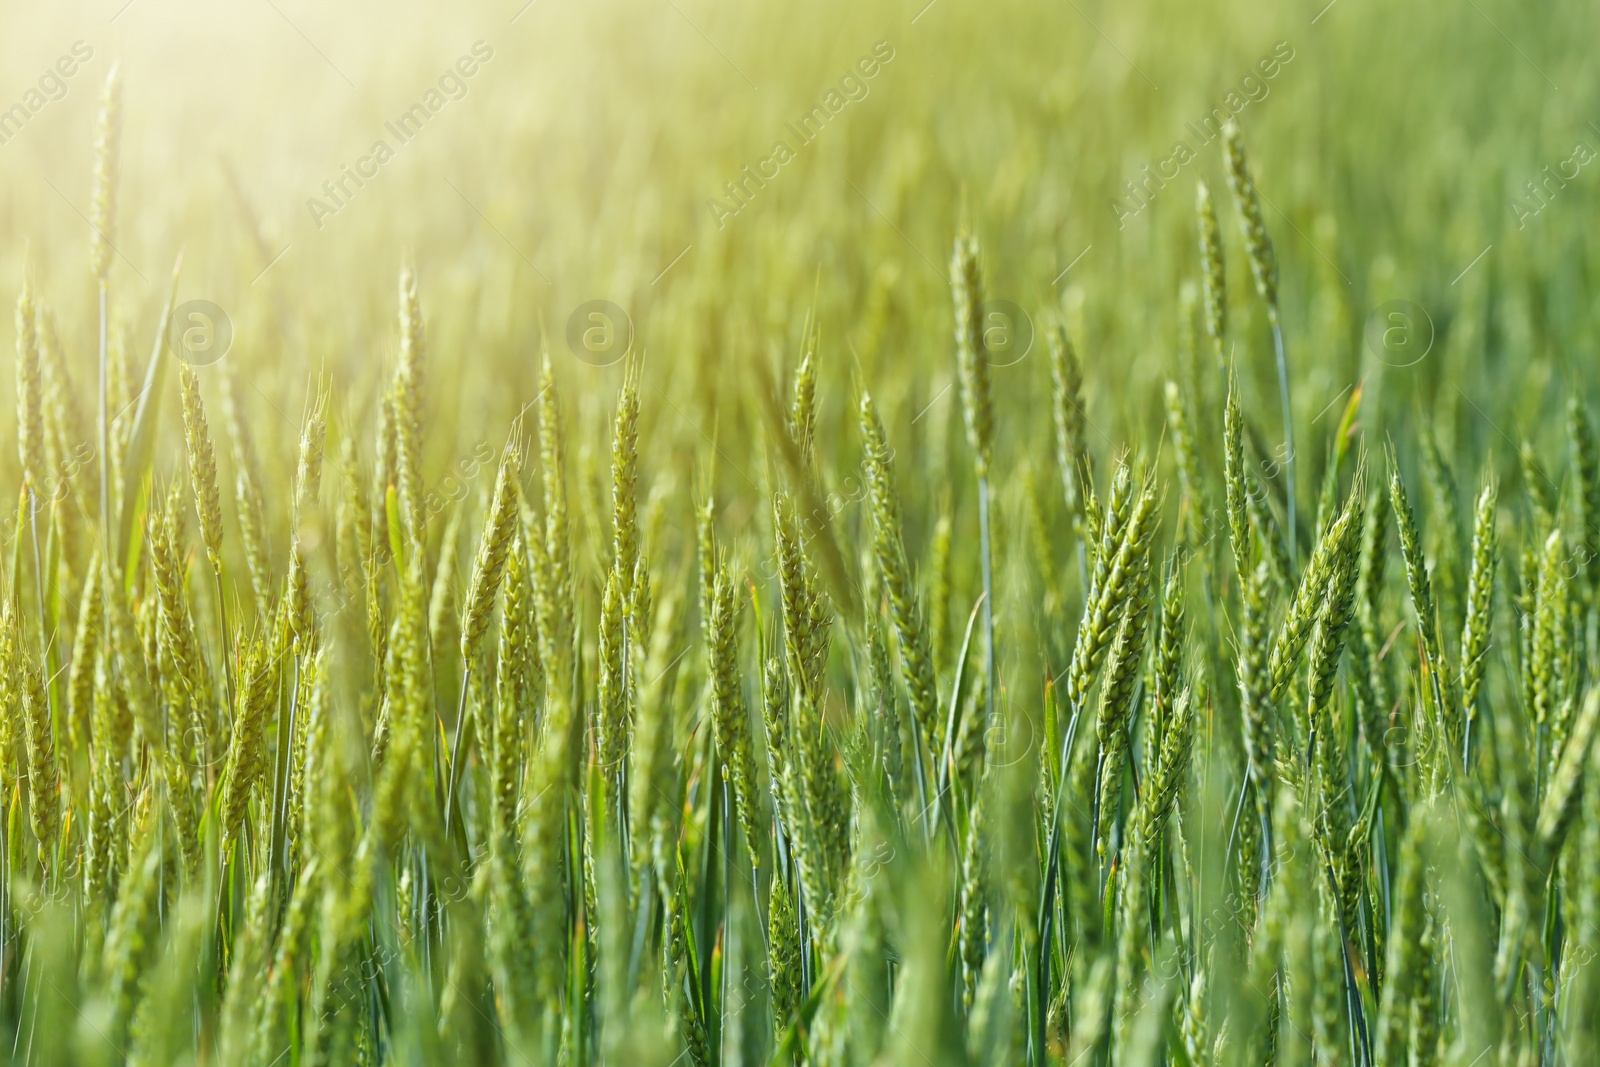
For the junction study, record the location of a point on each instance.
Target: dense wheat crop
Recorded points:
(923, 534)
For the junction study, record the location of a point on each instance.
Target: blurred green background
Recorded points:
(579, 161)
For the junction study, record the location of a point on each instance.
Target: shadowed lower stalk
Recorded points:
(988, 597)
(1125, 533)
(278, 859)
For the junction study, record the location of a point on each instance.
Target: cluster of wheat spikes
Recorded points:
(367, 798)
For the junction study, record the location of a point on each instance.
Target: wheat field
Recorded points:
(904, 535)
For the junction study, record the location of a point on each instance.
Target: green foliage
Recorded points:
(1237, 769)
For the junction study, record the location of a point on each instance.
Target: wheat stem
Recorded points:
(1291, 505)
